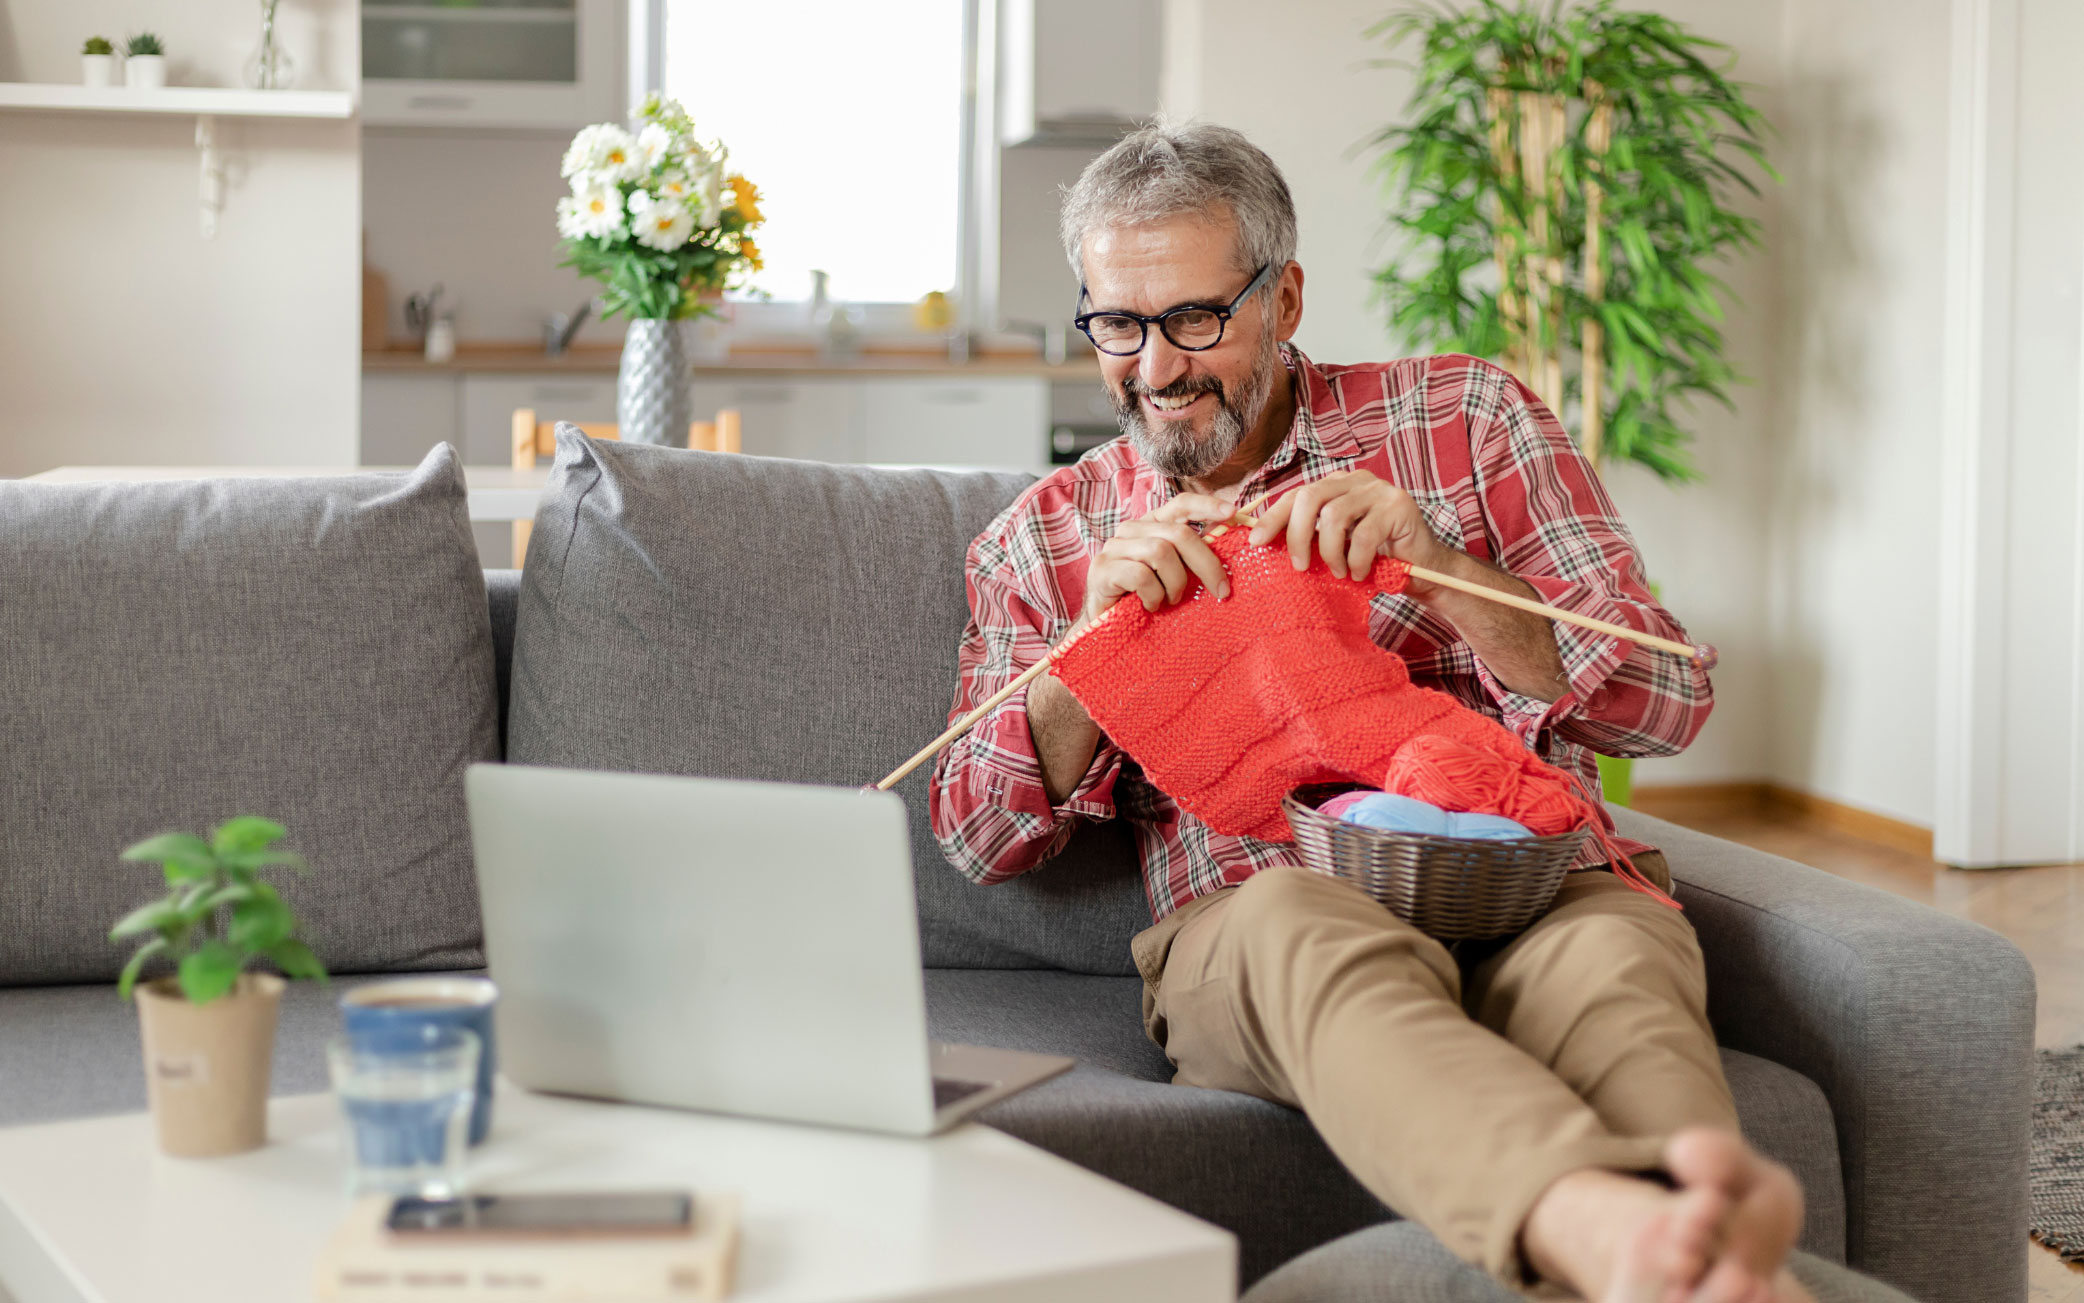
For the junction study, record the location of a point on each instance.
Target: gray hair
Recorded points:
(1161, 171)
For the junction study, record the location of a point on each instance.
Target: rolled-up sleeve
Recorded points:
(1552, 525)
(991, 812)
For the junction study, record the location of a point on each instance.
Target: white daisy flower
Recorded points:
(594, 212)
(604, 150)
(674, 185)
(654, 145)
(659, 223)
(709, 199)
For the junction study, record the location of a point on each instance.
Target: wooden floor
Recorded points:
(2041, 910)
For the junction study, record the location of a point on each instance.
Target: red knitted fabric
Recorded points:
(1230, 705)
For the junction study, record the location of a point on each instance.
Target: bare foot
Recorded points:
(1621, 1239)
(1764, 1216)
(1722, 1237)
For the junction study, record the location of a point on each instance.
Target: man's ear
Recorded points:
(1288, 301)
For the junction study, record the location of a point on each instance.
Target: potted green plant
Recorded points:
(97, 62)
(144, 62)
(209, 1025)
(1561, 201)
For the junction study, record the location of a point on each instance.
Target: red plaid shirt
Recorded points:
(1496, 477)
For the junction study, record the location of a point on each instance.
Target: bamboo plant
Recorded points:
(1561, 198)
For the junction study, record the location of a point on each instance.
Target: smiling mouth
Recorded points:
(1173, 405)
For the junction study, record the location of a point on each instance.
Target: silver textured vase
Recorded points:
(653, 395)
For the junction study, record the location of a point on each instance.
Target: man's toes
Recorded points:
(1730, 1281)
(1695, 1232)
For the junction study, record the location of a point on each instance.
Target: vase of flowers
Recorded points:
(655, 217)
(270, 67)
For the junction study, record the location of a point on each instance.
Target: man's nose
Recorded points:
(1160, 363)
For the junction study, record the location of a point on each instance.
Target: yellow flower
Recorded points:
(752, 254)
(746, 199)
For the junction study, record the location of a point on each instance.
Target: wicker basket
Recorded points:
(1451, 888)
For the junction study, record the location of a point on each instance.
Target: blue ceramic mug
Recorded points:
(397, 1015)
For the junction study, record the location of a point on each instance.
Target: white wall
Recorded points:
(131, 339)
(1853, 528)
(1297, 80)
(475, 212)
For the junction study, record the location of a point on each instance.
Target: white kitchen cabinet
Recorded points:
(909, 420)
(812, 419)
(489, 402)
(959, 421)
(405, 415)
(497, 63)
(1059, 86)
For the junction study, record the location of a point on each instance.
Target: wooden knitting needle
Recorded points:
(963, 725)
(1703, 655)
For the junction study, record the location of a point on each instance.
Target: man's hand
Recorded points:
(1352, 517)
(1349, 519)
(1152, 559)
(1156, 557)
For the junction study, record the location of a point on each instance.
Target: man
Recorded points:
(1553, 1108)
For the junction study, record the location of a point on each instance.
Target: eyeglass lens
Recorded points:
(1193, 328)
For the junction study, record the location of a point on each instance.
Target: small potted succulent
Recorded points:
(144, 62)
(209, 1026)
(97, 62)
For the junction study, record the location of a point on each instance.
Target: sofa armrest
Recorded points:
(1917, 1025)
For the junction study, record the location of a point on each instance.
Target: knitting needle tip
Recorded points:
(1706, 657)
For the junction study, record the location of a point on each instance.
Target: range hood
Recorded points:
(1076, 72)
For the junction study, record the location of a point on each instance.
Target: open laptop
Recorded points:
(737, 947)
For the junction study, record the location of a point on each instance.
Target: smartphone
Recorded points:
(636, 1212)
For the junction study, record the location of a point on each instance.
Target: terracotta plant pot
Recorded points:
(206, 1065)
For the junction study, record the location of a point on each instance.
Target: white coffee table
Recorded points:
(90, 1211)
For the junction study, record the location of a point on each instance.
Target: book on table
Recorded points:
(364, 1262)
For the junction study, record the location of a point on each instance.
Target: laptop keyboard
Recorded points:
(948, 1091)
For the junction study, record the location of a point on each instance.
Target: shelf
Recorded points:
(205, 104)
(196, 101)
(603, 359)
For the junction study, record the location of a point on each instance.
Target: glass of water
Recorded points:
(406, 1108)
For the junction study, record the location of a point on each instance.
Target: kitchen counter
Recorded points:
(596, 359)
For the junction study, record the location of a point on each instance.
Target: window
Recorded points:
(847, 116)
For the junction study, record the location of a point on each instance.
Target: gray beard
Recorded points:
(1173, 449)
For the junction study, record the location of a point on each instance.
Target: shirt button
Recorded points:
(1598, 699)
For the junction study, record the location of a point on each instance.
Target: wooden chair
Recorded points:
(533, 439)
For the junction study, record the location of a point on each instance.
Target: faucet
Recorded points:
(561, 327)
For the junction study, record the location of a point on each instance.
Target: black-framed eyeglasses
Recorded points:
(1191, 326)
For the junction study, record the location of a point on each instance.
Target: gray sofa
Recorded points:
(326, 652)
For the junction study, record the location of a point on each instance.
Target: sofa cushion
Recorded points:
(315, 650)
(73, 1051)
(1257, 1169)
(745, 617)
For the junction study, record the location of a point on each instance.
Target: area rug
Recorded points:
(2057, 1172)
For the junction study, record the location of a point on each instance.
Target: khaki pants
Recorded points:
(1457, 1092)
